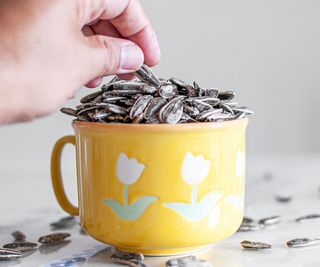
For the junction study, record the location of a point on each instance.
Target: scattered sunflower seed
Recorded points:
(269, 221)
(53, 238)
(65, 222)
(247, 220)
(303, 242)
(21, 246)
(248, 227)
(282, 198)
(18, 236)
(129, 259)
(308, 217)
(255, 245)
(9, 254)
(187, 261)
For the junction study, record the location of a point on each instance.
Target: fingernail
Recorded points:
(131, 58)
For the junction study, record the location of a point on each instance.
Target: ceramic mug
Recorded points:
(157, 189)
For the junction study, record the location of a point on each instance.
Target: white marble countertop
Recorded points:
(27, 203)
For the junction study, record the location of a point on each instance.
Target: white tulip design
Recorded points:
(195, 168)
(240, 164)
(129, 170)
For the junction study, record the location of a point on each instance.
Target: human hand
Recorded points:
(50, 48)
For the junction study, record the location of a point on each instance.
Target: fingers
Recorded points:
(133, 24)
(109, 56)
(130, 21)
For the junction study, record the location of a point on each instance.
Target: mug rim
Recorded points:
(160, 127)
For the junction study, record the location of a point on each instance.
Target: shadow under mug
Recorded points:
(156, 189)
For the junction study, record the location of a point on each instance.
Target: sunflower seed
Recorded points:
(227, 108)
(308, 217)
(149, 89)
(146, 75)
(219, 117)
(255, 245)
(65, 222)
(192, 111)
(126, 93)
(85, 110)
(9, 254)
(247, 220)
(154, 107)
(113, 99)
(69, 111)
(212, 92)
(187, 261)
(303, 242)
(178, 82)
(168, 90)
(201, 106)
(139, 106)
(172, 111)
(21, 246)
(53, 238)
(269, 220)
(129, 259)
(128, 85)
(18, 236)
(248, 227)
(116, 109)
(207, 114)
(129, 256)
(247, 111)
(90, 97)
(226, 95)
(282, 198)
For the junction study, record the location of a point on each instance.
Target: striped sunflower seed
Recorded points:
(53, 238)
(255, 245)
(303, 242)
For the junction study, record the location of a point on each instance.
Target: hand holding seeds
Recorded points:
(41, 68)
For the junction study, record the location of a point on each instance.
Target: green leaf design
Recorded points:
(196, 211)
(130, 212)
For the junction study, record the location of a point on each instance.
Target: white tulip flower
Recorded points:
(195, 168)
(129, 170)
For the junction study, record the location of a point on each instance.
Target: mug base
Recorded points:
(163, 252)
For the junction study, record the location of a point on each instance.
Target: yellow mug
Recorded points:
(157, 189)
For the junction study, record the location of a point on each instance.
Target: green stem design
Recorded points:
(126, 195)
(194, 195)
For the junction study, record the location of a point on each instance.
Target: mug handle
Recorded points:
(56, 174)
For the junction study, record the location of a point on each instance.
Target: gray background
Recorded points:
(265, 50)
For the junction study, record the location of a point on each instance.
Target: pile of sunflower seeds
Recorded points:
(151, 100)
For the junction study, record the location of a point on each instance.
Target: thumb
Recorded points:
(110, 56)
